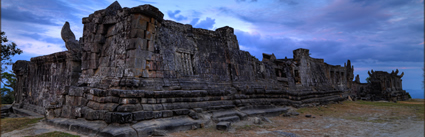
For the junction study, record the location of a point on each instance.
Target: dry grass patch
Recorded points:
(369, 111)
(412, 101)
(10, 124)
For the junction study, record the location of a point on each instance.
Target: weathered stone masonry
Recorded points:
(131, 66)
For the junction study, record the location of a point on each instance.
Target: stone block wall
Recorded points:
(42, 82)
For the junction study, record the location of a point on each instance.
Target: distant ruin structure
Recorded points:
(133, 73)
(382, 86)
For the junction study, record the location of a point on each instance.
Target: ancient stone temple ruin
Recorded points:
(382, 86)
(133, 73)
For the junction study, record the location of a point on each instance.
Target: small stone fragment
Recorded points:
(295, 113)
(266, 119)
(193, 114)
(223, 126)
(257, 120)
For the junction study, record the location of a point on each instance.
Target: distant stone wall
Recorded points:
(42, 82)
(131, 65)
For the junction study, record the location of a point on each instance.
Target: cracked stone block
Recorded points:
(121, 117)
(129, 101)
(142, 115)
(167, 113)
(181, 111)
(157, 114)
(129, 107)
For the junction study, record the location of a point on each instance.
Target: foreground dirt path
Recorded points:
(36, 129)
(349, 119)
(315, 127)
(281, 126)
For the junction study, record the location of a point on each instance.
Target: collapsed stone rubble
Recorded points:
(132, 73)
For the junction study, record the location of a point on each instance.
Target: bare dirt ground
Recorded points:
(36, 129)
(349, 119)
(317, 127)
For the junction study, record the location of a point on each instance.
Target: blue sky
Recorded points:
(379, 34)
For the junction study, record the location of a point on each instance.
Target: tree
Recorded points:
(7, 94)
(7, 51)
(368, 79)
(7, 79)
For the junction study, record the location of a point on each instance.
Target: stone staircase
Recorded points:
(227, 115)
(263, 110)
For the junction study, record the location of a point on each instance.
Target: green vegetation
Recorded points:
(55, 134)
(10, 124)
(7, 94)
(8, 50)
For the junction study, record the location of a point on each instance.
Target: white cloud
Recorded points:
(37, 39)
(37, 47)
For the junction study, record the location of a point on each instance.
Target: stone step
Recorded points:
(6, 108)
(142, 128)
(218, 114)
(228, 119)
(220, 107)
(172, 124)
(26, 112)
(265, 112)
(223, 126)
(80, 125)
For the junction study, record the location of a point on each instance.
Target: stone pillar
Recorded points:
(190, 64)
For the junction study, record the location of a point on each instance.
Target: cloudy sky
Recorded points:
(373, 34)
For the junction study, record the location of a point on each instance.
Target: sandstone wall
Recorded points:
(42, 82)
